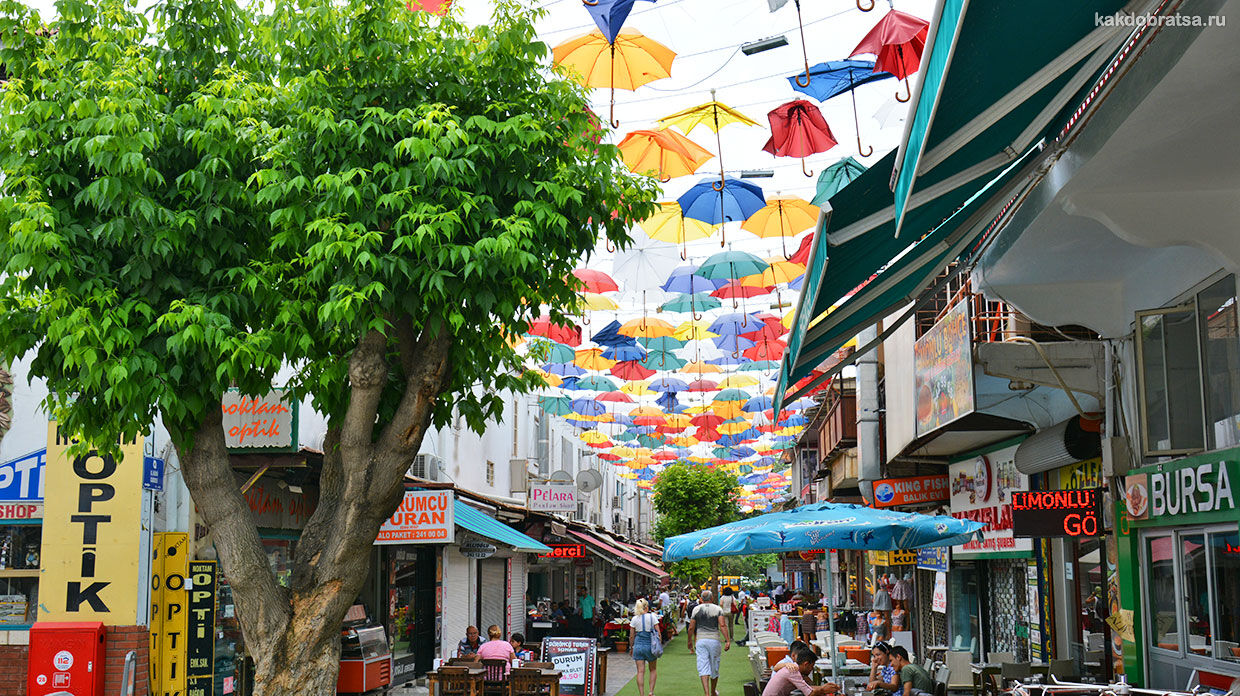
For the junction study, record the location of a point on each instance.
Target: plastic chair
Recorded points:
(960, 674)
(1064, 669)
(1000, 657)
(455, 681)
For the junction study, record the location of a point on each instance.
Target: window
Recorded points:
(19, 574)
(490, 473)
(1193, 586)
(1189, 369)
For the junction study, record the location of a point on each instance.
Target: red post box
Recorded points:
(65, 658)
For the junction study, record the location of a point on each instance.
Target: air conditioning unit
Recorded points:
(594, 518)
(616, 503)
(519, 475)
(426, 466)
(615, 522)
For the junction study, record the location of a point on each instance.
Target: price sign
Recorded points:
(1057, 513)
(576, 659)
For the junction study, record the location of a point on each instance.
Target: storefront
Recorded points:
(1183, 548)
(996, 619)
(21, 533)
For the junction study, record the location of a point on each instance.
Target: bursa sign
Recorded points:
(22, 479)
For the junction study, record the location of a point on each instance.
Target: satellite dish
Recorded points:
(588, 480)
(561, 476)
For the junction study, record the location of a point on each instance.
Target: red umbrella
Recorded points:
(707, 435)
(596, 281)
(631, 370)
(798, 130)
(439, 7)
(897, 42)
(614, 396)
(801, 255)
(608, 456)
(768, 332)
(735, 289)
(665, 456)
(706, 420)
(702, 385)
(766, 350)
(568, 334)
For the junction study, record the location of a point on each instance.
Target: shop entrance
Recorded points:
(411, 610)
(1091, 645)
(965, 610)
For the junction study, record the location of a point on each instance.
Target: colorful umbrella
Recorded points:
(832, 179)
(609, 15)
(694, 303)
(685, 280)
(837, 77)
(731, 265)
(646, 327)
(713, 115)
(595, 281)
(664, 153)
(567, 333)
(897, 42)
(628, 61)
(735, 201)
(780, 271)
(798, 130)
(783, 217)
(669, 224)
(644, 262)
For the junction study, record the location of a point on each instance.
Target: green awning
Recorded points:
(996, 76)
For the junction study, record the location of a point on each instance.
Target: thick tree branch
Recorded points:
(262, 603)
(318, 528)
(400, 439)
(368, 374)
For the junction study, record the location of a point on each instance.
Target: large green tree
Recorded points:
(379, 198)
(689, 498)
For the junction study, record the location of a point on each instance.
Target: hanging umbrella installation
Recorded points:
(837, 77)
(713, 115)
(628, 61)
(836, 177)
(665, 154)
(735, 201)
(798, 130)
(783, 217)
(897, 42)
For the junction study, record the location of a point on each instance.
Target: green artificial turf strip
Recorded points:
(678, 674)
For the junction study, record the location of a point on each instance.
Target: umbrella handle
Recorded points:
(592, 4)
(808, 79)
(908, 92)
(611, 248)
(663, 178)
(859, 7)
(718, 185)
(696, 316)
(804, 171)
(864, 153)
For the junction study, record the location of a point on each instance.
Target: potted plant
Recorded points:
(621, 639)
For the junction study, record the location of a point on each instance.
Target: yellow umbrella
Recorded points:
(728, 409)
(682, 441)
(596, 302)
(737, 381)
(677, 420)
(622, 451)
(646, 412)
(733, 428)
(627, 474)
(628, 63)
(783, 217)
(646, 328)
(699, 367)
(780, 271)
(592, 437)
(693, 331)
(671, 225)
(592, 359)
(666, 154)
(713, 115)
(550, 379)
(636, 387)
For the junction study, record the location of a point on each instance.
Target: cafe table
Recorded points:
(477, 674)
(982, 670)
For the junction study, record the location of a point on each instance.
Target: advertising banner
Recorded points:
(576, 659)
(1197, 489)
(938, 601)
(551, 498)
(91, 534)
(200, 634)
(424, 517)
(933, 558)
(267, 423)
(943, 371)
(169, 612)
(21, 480)
(912, 490)
(982, 491)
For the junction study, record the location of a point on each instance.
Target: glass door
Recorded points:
(964, 608)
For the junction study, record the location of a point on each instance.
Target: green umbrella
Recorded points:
(733, 395)
(661, 343)
(596, 383)
(731, 264)
(683, 302)
(625, 437)
(759, 366)
(556, 352)
(836, 177)
(662, 360)
(556, 405)
(650, 441)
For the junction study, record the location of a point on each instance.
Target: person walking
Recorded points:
(646, 630)
(727, 603)
(706, 630)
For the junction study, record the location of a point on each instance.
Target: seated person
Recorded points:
(470, 645)
(787, 629)
(787, 662)
(784, 681)
(883, 678)
(517, 641)
(914, 681)
(496, 648)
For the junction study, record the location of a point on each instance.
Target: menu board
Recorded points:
(576, 659)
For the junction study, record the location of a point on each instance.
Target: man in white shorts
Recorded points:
(707, 628)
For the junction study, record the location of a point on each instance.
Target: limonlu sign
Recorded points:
(1195, 486)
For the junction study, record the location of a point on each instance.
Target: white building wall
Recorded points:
(458, 600)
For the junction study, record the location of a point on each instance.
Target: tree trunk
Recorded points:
(293, 633)
(714, 576)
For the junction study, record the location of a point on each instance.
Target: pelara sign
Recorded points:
(552, 498)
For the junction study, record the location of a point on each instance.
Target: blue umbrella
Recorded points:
(588, 407)
(685, 280)
(822, 526)
(668, 402)
(758, 403)
(734, 203)
(565, 369)
(725, 361)
(668, 384)
(621, 353)
(734, 344)
(609, 15)
(836, 77)
(610, 336)
(734, 323)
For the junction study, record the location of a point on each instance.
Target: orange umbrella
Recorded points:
(646, 328)
(628, 63)
(665, 153)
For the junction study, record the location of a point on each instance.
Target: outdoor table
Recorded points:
(938, 653)
(551, 678)
(602, 669)
(981, 670)
(852, 671)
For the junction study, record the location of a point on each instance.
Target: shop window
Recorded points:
(19, 574)
(1194, 592)
(1189, 368)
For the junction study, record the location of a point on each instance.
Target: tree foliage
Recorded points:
(379, 198)
(747, 566)
(689, 498)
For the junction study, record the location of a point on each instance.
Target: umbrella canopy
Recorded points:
(669, 224)
(609, 15)
(690, 303)
(567, 333)
(684, 279)
(734, 202)
(731, 265)
(595, 281)
(663, 153)
(713, 115)
(834, 178)
(822, 526)
(897, 42)
(798, 130)
(836, 77)
(644, 262)
(782, 216)
(628, 61)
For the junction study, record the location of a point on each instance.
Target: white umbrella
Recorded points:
(646, 263)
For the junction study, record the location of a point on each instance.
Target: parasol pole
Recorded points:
(908, 91)
(831, 607)
(714, 111)
(614, 122)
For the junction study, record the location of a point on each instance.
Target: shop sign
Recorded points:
(267, 423)
(565, 551)
(169, 612)
(277, 507)
(21, 511)
(796, 565)
(424, 517)
(91, 533)
(576, 659)
(981, 489)
(477, 549)
(551, 498)
(22, 479)
(200, 636)
(892, 558)
(943, 371)
(912, 490)
(1076, 513)
(1086, 474)
(933, 558)
(1193, 487)
(938, 601)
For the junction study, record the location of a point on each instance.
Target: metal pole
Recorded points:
(127, 676)
(831, 615)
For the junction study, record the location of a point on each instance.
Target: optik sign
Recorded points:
(91, 533)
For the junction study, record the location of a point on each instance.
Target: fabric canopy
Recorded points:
(623, 557)
(482, 524)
